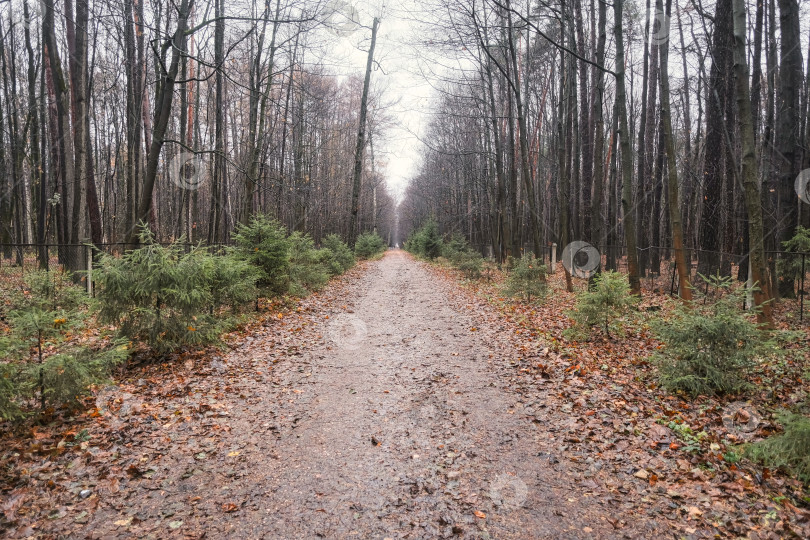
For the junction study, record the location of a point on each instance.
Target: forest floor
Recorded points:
(394, 404)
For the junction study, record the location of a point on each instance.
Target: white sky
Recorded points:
(397, 77)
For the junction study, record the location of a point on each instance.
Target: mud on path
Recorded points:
(387, 411)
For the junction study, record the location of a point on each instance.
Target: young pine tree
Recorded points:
(42, 362)
(369, 245)
(307, 269)
(263, 243)
(710, 345)
(527, 279)
(603, 306)
(166, 297)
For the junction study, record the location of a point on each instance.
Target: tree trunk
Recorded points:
(645, 137)
(629, 211)
(524, 146)
(673, 199)
(162, 115)
(361, 138)
(133, 122)
(64, 137)
(599, 134)
(787, 129)
(753, 200)
(39, 179)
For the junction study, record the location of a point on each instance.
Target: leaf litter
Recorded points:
(287, 433)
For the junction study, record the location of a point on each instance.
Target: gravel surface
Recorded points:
(385, 407)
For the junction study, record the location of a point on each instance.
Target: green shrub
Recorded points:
(603, 306)
(342, 257)
(263, 243)
(368, 245)
(455, 245)
(232, 281)
(789, 450)
(52, 290)
(163, 296)
(462, 256)
(46, 309)
(527, 279)
(47, 306)
(9, 392)
(469, 262)
(790, 266)
(710, 345)
(426, 241)
(307, 269)
(66, 377)
(410, 244)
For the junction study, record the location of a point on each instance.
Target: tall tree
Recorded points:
(788, 136)
(629, 210)
(673, 198)
(163, 110)
(361, 136)
(719, 97)
(750, 180)
(63, 136)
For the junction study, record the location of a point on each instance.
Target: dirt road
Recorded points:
(386, 411)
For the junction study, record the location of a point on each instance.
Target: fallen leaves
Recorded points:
(608, 418)
(126, 522)
(597, 412)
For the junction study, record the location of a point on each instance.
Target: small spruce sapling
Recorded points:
(232, 280)
(426, 241)
(342, 257)
(165, 297)
(604, 306)
(455, 245)
(469, 262)
(48, 310)
(463, 257)
(307, 270)
(68, 375)
(790, 449)
(9, 391)
(527, 279)
(790, 266)
(263, 243)
(369, 245)
(47, 307)
(710, 344)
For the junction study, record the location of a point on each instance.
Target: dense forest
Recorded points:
(650, 130)
(191, 117)
(432, 269)
(186, 116)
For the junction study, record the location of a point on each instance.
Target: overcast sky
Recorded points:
(398, 75)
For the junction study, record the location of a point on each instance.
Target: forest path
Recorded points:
(392, 405)
(397, 425)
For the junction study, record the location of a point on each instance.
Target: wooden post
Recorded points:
(749, 295)
(553, 258)
(89, 270)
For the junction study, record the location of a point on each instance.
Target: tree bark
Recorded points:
(361, 138)
(787, 128)
(673, 198)
(64, 137)
(162, 115)
(753, 200)
(599, 133)
(629, 211)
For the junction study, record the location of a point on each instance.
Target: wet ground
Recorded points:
(386, 411)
